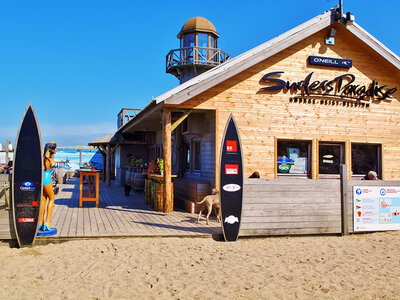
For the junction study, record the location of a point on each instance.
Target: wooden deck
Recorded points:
(120, 216)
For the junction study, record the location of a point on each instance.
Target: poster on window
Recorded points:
(376, 208)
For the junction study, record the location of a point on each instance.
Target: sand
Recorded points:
(312, 267)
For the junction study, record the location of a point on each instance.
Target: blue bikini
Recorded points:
(47, 177)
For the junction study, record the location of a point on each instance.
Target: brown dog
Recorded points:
(210, 202)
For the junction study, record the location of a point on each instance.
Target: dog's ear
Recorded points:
(215, 191)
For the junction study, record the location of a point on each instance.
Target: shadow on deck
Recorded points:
(120, 216)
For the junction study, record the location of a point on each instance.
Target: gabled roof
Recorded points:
(230, 68)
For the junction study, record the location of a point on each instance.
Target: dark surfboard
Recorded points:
(231, 181)
(27, 178)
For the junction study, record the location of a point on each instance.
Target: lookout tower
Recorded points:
(198, 50)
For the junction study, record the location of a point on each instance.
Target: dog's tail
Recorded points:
(202, 201)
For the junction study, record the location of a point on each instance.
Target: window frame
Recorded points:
(378, 158)
(309, 156)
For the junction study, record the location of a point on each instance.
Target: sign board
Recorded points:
(376, 208)
(329, 61)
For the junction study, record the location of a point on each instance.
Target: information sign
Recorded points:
(376, 208)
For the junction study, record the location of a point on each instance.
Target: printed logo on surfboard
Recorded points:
(27, 186)
(231, 187)
(26, 220)
(231, 146)
(231, 169)
(231, 219)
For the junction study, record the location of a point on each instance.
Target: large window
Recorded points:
(331, 155)
(294, 157)
(365, 158)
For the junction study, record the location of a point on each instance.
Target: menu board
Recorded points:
(376, 208)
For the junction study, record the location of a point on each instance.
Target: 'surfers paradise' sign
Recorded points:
(341, 86)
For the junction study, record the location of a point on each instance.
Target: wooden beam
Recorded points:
(347, 152)
(104, 176)
(102, 151)
(343, 196)
(108, 166)
(168, 205)
(180, 120)
(314, 159)
(217, 154)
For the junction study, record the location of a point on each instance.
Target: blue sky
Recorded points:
(80, 62)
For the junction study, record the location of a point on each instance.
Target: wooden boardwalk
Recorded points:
(120, 216)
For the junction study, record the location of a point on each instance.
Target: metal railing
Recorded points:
(196, 56)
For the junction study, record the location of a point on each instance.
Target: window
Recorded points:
(294, 157)
(213, 42)
(196, 156)
(187, 156)
(202, 41)
(330, 157)
(188, 42)
(365, 158)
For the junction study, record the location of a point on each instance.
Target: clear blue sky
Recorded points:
(80, 62)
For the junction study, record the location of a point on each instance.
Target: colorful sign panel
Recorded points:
(376, 208)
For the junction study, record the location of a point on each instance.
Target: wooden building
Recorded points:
(320, 95)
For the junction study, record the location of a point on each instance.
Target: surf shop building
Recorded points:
(319, 96)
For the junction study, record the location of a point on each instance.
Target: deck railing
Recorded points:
(125, 115)
(195, 56)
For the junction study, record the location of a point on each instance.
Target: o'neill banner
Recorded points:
(329, 61)
(376, 208)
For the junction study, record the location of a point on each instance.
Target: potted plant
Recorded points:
(160, 163)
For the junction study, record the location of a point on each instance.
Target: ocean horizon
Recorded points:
(72, 158)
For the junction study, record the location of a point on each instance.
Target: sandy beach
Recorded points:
(311, 267)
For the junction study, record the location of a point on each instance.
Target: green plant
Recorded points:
(160, 163)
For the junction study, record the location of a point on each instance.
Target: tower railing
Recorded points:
(195, 56)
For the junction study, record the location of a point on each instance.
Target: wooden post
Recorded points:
(104, 167)
(348, 158)
(314, 159)
(108, 165)
(343, 196)
(168, 206)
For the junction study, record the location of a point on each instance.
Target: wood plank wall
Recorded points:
(290, 207)
(264, 117)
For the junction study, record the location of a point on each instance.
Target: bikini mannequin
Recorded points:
(48, 192)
